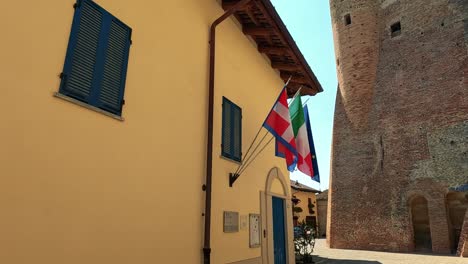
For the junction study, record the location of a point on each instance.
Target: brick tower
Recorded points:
(400, 137)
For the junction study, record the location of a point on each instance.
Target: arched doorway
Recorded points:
(276, 216)
(457, 204)
(421, 226)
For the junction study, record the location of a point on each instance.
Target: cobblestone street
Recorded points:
(325, 255)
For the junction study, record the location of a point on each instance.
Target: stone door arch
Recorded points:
(276, 185)
(420, 224)
(457, 204)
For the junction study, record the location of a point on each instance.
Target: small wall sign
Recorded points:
(254, 234)
(244, 222)
(231, 222)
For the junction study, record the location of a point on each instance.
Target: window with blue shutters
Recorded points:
(231, 146)
(96, 61)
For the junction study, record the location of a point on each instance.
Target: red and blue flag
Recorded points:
(278, 123)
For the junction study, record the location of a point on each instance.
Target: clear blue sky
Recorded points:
(309, 23)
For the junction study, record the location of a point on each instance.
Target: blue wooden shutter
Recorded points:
(80, 62)
(226, 129)
(96, 62)
(231, 145)
(115, 67)
(236, 132)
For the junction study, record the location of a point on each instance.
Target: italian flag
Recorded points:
(304, 162)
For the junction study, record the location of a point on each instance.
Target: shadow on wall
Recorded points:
(321, 260)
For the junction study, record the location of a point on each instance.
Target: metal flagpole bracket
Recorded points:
(232, 178)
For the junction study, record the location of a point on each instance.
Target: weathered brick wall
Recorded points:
(356, 51)
(322, 204)
(401, 119)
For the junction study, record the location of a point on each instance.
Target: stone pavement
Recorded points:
(324, 255)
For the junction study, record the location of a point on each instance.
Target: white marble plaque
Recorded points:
(254, 223)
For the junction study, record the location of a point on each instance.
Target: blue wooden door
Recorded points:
(279, 236)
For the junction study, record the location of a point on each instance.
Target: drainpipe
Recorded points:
(209, 144)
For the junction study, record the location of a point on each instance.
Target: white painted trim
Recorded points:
(266, 212)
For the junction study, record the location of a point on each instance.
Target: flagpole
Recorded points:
(255, 149)
(284, 87)
(295, 96)
(243, 166)
(247, 161)
(260, 129)
(261, 150)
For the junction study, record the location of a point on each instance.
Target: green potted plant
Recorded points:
(304, 242)
(297, 209)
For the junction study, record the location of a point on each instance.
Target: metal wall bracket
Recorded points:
(232, 178)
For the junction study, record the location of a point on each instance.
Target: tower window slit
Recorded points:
(347, 19)
(395, 29)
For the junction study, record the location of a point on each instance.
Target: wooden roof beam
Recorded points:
(286, 66)
(248, 9)
(275, 26)
(305, 90)
(275, 50)
(291, 90)
(294, 78)
(259, 12)
(271, 22)
(251, 15)
(296, 84)
(298, 58)
(258, 31)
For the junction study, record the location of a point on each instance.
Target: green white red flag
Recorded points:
(304, 162)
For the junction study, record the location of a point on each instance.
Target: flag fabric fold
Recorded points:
(304, 162)
(315, 170)
(278, 123)
(291, 159)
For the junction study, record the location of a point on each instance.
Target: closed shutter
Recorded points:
(96, 62)
(78, 73)
(231, 131)
(115, 67)
(227, 129)
(237, 132)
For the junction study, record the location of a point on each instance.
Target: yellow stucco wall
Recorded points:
(79, 187)
(254, 88)
(304, 196)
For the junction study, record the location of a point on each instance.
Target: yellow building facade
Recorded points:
(82, 185)
(306, 200)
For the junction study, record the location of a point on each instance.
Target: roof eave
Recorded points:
(263, 24)
(291, 43)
